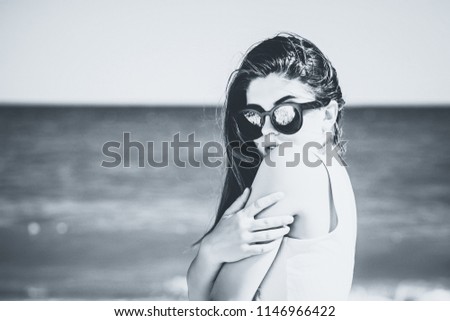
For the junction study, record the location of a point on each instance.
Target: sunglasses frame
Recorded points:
(300, 107)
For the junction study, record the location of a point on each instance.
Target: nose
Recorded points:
(268, 127)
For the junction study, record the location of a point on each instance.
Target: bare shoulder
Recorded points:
(305, 184)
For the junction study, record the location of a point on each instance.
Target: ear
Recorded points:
(330, 115)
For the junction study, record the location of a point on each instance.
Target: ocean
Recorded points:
(71, 229)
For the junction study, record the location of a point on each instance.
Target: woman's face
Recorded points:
(266, 91)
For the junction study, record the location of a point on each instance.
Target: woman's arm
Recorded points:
(306, 190)
(238, 281)
(233, 239)
(201, 275)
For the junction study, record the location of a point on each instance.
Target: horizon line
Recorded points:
(174, 105)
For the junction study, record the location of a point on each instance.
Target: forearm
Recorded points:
(238, 281)
(201, 276)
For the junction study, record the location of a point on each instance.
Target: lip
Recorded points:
(270, 146)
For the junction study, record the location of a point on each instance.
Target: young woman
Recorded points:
(294, 237)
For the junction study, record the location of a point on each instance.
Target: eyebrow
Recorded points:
(279, 101)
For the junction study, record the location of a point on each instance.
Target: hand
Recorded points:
(239, 235)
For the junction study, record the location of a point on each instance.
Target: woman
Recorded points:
(294, 237)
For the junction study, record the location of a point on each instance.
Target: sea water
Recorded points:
(72, 229)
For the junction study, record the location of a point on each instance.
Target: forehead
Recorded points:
(266, 91)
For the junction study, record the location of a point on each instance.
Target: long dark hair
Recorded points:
(288, 55)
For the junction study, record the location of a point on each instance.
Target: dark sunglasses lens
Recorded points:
(249, 124)
(287, 119)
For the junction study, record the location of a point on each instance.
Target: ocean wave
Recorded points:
(409, 290)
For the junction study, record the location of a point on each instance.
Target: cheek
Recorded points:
(311, 131)
(312, 122)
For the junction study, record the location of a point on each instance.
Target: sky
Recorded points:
(182, 52)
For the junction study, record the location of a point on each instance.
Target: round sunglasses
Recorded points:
(286, 117)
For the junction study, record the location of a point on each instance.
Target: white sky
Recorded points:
(182, 52)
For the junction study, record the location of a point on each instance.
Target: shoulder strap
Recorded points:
(342, 192)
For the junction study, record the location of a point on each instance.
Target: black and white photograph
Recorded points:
(224, 150)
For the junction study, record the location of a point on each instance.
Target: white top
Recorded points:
(319, 268)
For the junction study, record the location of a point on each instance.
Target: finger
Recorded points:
(239, 203)
(263, 203)
(271, 222)
(269, 235)
(255, 249)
